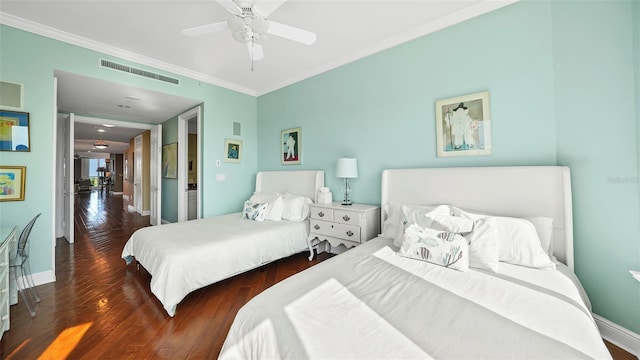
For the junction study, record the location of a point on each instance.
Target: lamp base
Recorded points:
(345, 203)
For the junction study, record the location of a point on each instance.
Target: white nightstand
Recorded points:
(337, 224)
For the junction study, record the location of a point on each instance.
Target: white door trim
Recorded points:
(183, 137)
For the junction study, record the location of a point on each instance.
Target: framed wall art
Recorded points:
(463, 125)
(232, 150)
(291, 146)
(12, 183)
(14, 131)
(170, 161)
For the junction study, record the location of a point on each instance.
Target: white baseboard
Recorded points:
(616, 334)
(125, 197)
(130, 208)
(146, 212)
(163, 221)
(40, 278)
(119, 193)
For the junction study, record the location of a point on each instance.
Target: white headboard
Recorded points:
(302, 182)
(517, 191)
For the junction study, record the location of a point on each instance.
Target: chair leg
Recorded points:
(21, 290)
(32, 284)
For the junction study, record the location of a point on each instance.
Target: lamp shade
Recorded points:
(347, 168)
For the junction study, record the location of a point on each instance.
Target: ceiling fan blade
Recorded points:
(291, 33)
(230, 6)
(255, 50)
(266, 7)
(205, 29)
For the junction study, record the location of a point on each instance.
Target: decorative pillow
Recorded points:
(484, 249)
(416, 214)
(518, 241)
(253, 211)
(437, 247)
(295, 208)
(274, 211)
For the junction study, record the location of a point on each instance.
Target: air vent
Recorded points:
(139, 72)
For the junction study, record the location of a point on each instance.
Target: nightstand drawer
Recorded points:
(321, 213)
(341, 231)
(347, 217)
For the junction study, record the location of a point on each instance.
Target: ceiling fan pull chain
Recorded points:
(252, 51)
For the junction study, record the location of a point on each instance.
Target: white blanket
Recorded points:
(186, 256)
(371, 303)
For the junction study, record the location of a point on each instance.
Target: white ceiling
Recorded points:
(149, 32)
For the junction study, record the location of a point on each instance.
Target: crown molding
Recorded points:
(453, 18)
(46, 31)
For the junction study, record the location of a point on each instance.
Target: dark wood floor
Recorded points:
(99, 308)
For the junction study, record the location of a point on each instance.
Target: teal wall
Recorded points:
(31, 60)
(560, 88)
(381, 109)
(170, 186)
(597, 137)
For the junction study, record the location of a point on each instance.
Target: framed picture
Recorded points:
(291, 145)
(463, 125)
(170, 161)
(12, 183)
(232, 150)
(14, 131)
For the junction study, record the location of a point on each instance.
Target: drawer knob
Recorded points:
(350, 233)
(321, 214)
(346, 218)
(316, 226)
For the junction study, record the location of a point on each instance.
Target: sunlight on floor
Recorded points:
(62, 346)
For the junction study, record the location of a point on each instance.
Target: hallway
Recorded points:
(99, 308)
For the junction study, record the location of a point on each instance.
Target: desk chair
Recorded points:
(19, 262)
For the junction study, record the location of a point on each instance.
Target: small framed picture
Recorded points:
(463, 125)
(14, 131)
(12, 183)
(291, 146)
(232, 150)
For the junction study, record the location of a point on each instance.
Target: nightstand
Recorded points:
(349, 225)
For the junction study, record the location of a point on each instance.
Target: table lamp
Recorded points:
(348, 169)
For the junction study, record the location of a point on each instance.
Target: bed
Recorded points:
(185, 256)
(370, 302)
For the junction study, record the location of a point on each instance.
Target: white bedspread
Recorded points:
(371, 303)
(186, 256)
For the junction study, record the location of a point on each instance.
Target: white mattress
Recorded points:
(371, 303)
(186, 256)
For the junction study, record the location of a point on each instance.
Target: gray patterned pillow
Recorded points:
(254, 211)
(438, 247)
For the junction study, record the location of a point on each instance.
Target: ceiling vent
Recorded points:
(136, 71)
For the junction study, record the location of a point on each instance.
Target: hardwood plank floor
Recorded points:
(99, 308)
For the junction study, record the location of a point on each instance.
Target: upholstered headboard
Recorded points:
(517, 191)
(302, 182)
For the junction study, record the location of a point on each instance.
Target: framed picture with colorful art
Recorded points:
(12, 183)
(463, 125)
(232, 150)
(291, 146)
(170, 161)
(14, 131)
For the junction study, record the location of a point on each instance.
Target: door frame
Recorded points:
(183, 161)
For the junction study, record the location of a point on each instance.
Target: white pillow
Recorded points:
(449, 223)
(544, 228)
(295, 208)
(274, 210)
(484, 248)
(437, 247)
(518, 241)
(416, 214)
(253, 211)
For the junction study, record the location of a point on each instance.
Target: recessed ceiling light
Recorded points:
(108, 125)
(132, 98)
(101, 130)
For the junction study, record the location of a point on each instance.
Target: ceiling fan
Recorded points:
(248, 22)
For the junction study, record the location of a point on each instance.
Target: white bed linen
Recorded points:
(186, 256)
(371, 303)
